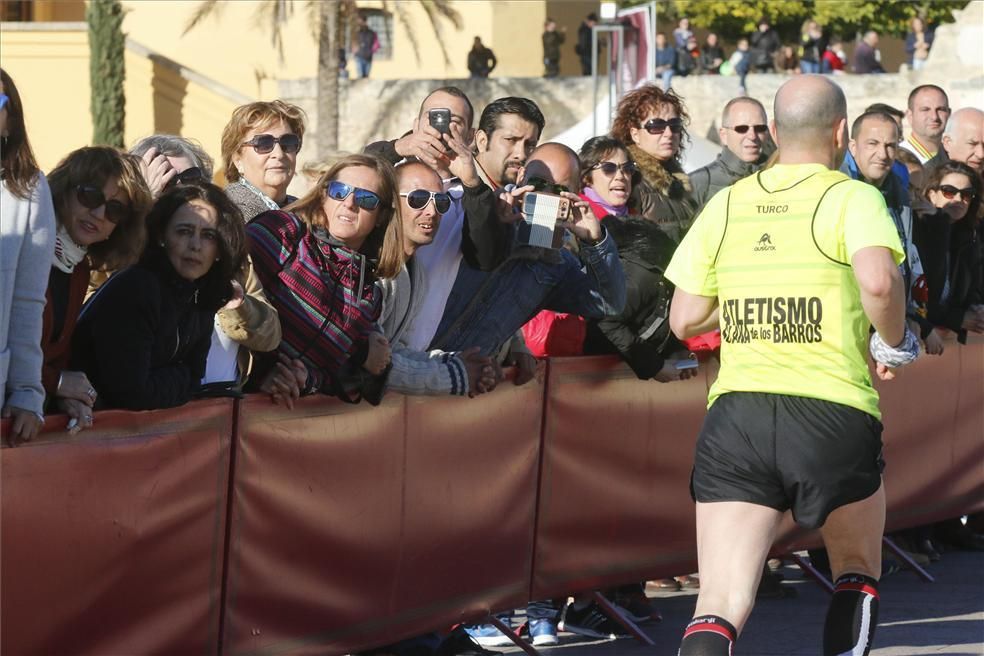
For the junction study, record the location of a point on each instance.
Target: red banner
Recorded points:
(113, 541)
(358, 526)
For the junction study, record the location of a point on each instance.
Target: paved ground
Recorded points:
(945, 618)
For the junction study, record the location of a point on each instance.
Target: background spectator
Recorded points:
(812, 46)
(365, 45)
(786, 61)
(653, 123)
(687, 58)
(583, 46)
(834, 58)
(552, 40)
(867, 59)
(28, 233)
(711, 56)
(144, 338)
(764, 44)
(481, 59)
(927, 112)
(963, 138)
(100, 199)
(259, 151)
(918, 42)
(666, 60)
(682, 33)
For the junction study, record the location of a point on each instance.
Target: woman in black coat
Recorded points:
(143, 339)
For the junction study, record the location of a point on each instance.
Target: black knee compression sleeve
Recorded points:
(851, 617)
(708, 635)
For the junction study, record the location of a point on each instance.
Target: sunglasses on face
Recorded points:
(264, 143)
(742, 129)
(93, 198)
(610, 168)
(539, 184)
(950, 192)
(3, 100)
(658, 126)
(418, 199)
(188, 176)
(364, 198)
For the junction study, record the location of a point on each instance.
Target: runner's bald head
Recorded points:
(807, 108)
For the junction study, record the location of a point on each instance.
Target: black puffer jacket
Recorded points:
(664, 196)
(641, 333)
(144, 337)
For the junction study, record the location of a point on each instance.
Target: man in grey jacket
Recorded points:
(744, 134)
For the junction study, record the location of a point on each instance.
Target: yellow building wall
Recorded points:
(56, 114)
(158, 98)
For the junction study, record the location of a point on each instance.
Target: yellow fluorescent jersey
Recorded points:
(775, 249)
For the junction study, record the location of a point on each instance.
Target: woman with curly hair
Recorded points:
(144, 337)
(28, 233)
(653, 123)
(101, 200)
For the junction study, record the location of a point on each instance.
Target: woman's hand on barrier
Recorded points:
(79, 415)
(525, 367)
(974, 319)
(934, 343)
(285, 382)
(25, 424)
(157, 171)
(481, 374)
(379, 354)
(76, 385)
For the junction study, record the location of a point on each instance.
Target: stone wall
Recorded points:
(385, 109)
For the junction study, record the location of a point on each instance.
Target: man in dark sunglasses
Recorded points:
(745, 146)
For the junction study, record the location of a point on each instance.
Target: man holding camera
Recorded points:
(797, 261)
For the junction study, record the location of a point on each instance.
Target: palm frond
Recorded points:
(271, 15)
(404, 17)
(205, 9)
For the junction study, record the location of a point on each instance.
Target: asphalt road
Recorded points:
(941, 618)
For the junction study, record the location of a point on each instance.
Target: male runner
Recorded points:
(796, 261)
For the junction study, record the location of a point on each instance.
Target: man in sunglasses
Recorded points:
(745, 146)
(424, 203)
(795, 263)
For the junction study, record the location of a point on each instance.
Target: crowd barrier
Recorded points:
(239, 527)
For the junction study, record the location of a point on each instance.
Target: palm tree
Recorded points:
(327, 19)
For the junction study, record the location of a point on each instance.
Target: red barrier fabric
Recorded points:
(112, 541)
(614, 499)
(358, 526)
(614, 496)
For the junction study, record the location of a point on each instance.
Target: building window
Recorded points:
(16, 10)
(380, 22)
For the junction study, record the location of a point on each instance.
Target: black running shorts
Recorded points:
(788, 453)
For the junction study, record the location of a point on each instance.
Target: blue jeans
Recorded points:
(809, 66)
(667, 77)
(363, 66)
(485, 309)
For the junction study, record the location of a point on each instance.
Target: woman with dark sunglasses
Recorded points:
(259, 152)
(27, 228)
(144, 337)
(945, 233)
(100, 199)
(653, 124)
(318, 261)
